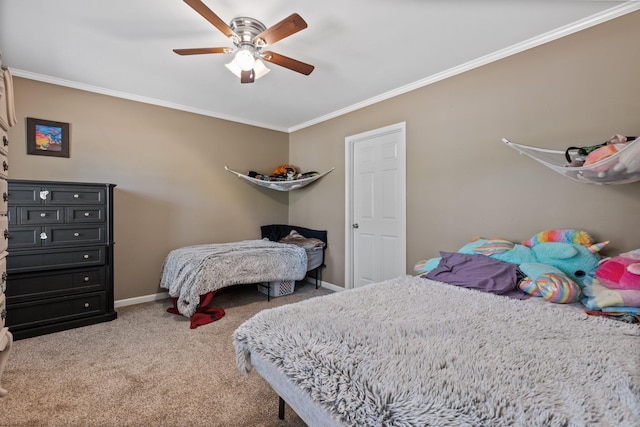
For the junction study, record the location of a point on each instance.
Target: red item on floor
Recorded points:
(203, 315)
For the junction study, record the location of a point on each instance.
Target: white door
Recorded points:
(375, 231)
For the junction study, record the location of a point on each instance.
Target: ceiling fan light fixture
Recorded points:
(259, 69)
(245, 58)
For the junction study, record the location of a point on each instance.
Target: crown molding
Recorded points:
(599, 18)
(158, 102)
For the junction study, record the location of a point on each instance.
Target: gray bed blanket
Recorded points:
(415, 352)
(197, 270)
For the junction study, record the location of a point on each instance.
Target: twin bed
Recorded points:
(412, 351)
(285, 253)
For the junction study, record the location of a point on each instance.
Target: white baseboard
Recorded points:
(140, 300)
(324, 284)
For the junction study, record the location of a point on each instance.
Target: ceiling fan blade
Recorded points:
(201, 50)
(286, 62)
(247, 76)
(289, 25)
(208, 14)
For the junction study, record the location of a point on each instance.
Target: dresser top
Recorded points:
(54, 183)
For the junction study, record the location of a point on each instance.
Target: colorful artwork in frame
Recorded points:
(47, 138)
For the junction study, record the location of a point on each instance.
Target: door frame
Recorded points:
(349, 180)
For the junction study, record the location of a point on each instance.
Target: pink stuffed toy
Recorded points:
(621, 272)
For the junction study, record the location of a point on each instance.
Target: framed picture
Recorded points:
(47, 138)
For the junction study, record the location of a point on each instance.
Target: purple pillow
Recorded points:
(478, 272)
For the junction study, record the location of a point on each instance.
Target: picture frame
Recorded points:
(47, 138)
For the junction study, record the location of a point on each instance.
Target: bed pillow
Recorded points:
(307, 243)
(478, 272)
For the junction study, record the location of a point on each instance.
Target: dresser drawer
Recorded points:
(76, 196)
(42, 236)
(3, 272)
(43, 214)
(60, 309)
(4, 196)
(75, 235)
(4, 233)
(55, 259)
(30, 215)
(4, 166)
(25, 238)
(4, 141)
(81, 214)
(32, 194)
(25, 287)
(24, 195)
(3, 310)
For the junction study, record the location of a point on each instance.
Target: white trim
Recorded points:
(140, 300)
(349, 141)
(348, 218)
(117, 94)
(558, 33)
(324, 284)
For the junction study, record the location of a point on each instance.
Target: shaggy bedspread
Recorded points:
(197, 270)
(412, 351)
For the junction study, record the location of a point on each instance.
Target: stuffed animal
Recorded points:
(602, 153)
(625, 158)
(572, 251)
(558, 260)
(621, 272)
(629, 160)
(549, 283)
(285, 171)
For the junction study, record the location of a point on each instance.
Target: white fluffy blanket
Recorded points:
(197, 270)
(413, 352)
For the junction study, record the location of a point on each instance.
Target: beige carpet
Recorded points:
(145, 368)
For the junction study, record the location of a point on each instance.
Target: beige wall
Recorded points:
(462, 181)
(172, 189)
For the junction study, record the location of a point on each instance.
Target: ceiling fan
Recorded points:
(249, 37)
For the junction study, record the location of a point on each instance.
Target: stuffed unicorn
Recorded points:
(556, 262)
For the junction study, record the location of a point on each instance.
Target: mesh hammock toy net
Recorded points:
(289, 185)
(621, 168)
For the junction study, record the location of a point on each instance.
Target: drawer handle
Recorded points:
(87, 214)
(85, 256)
(75, 196)
(44, 194)
(5, 165)
(4, 277)
(86, 278)
(43, 236)
(5, 141)
(5, 234)
(76, 234)
(42, 215)
(86, 305)
(5, 196)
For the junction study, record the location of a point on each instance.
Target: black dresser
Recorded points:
(60, 262)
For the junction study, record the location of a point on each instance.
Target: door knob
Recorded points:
(355, 225)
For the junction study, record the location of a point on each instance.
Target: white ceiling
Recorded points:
(363, 50)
